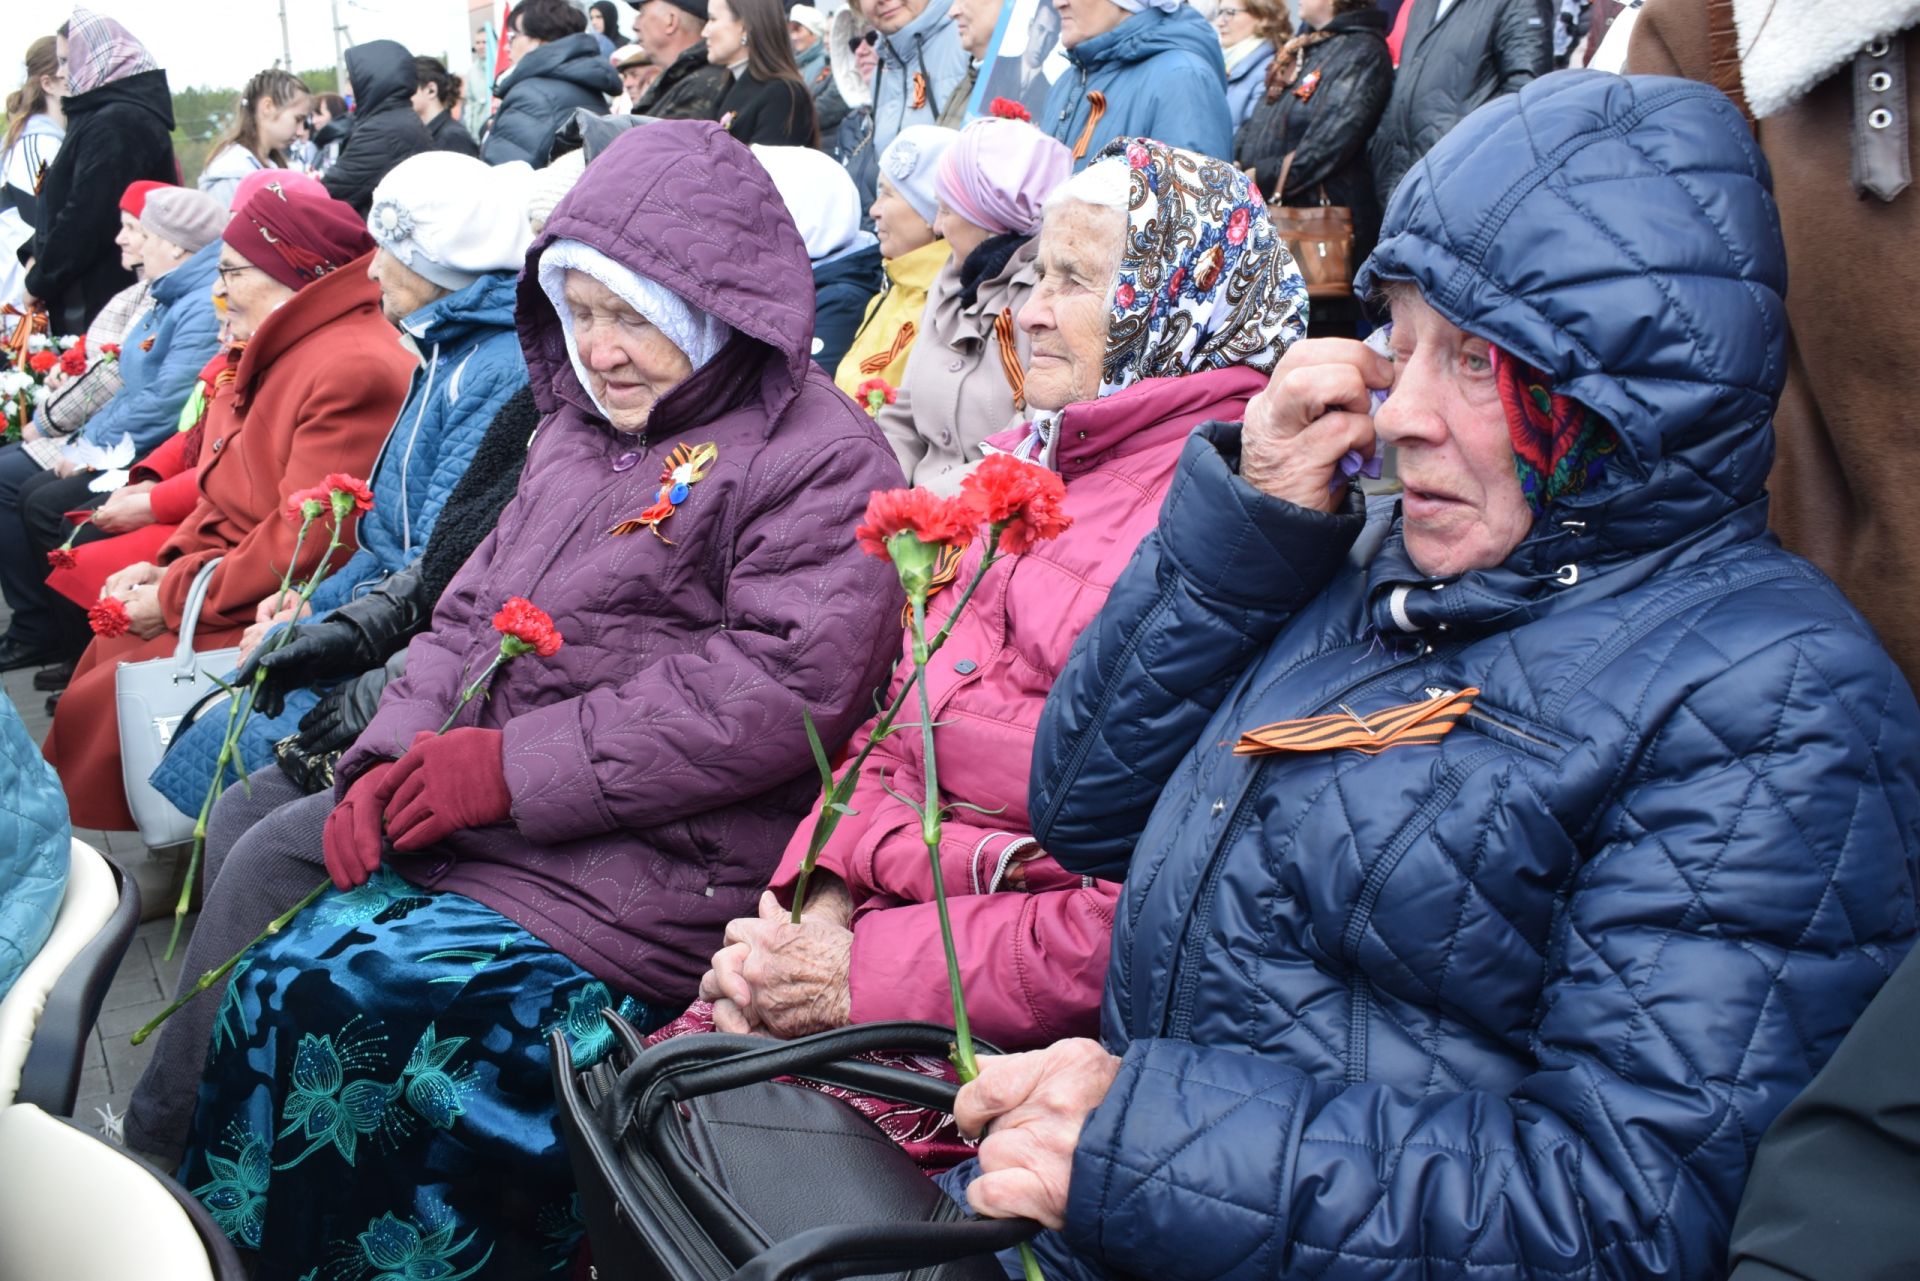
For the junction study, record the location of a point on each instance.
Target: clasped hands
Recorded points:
(445, 783)
(138, 588)
(779, 979)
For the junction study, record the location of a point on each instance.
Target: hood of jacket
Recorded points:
(1677, 339)
(1145, 34)
(328, 299)
(687, 207)
(194, 274)
(143, 91)
(1374, 20)
(575, 59)
(846, 27)
(466, 314)
(381, 72)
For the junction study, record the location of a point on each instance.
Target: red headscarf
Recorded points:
(295, 236)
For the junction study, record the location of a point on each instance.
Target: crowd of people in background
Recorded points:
(1414, 816)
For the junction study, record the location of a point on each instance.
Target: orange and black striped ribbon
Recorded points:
(1096, 107)
(919, 90)
(1010, 358)
(878, 362)
(1408, 725)
(28, 323)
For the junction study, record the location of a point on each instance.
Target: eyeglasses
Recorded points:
(224, 272)
(1228, 12)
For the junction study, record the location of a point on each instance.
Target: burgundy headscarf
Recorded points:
(295, 236)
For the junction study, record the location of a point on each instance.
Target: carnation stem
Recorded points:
(213, 976)
(472, 691)
(240, 712)
(842, 787)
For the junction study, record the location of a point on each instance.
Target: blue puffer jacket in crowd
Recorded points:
(1519, 1003)
(1163, 77)
(161, 356)
(542, 92)
(471, 363)
(34, 843)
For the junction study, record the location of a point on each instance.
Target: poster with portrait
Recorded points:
(1024, 60)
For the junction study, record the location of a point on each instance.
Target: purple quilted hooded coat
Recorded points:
(658, 762)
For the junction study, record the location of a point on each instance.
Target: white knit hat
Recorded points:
(453, 218)
(809, 18)
(910, 162)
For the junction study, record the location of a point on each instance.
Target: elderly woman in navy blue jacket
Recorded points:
(1502, 859)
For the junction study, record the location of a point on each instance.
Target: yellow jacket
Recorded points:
(893, 320)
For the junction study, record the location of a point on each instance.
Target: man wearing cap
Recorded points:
(637, 72)
(159, 357)
(688, 86)
(452, 233)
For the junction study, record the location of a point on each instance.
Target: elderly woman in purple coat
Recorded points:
(378, 1099)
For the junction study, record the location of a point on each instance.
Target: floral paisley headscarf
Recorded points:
(1204, 282)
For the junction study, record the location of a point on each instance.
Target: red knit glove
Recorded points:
(351, 838)
(444, 784)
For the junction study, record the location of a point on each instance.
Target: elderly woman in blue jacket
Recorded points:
(160, 357)
(1501, 859)
(452, 232)
(1140, 69)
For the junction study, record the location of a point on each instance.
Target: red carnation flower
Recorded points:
(1022, 500)
(108, 617)
(304, 505)
(110, 349)
(62, 558)
(929, 517)
(42, 361)
(876, 392)
(73, 361)
(340, 487)
(1009, 109)
(526, 628)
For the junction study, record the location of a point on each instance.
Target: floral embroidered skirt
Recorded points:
(378, 1101)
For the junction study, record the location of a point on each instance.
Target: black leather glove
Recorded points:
(343, 712)
(357, 636)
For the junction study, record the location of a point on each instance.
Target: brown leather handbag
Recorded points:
(1320, 237)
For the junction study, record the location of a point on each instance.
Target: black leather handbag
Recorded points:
(695, 1162)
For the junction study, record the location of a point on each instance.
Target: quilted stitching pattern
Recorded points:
(658, 761)
(1520, 1005)
(35, 839)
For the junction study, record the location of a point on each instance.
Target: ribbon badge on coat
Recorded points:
(1408, 725)
(685, 467)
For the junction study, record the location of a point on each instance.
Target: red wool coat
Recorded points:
(318, 389)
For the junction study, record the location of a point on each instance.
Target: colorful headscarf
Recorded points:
(101, 51)
(290, 179)
(1204, 281)
(1559, 445)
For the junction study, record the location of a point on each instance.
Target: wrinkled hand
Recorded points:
(1313, 411)
(1037, 1105)
(351, 841)
(30, 430)
(447, 783)
(140, 575)
(782, 979)
(144, 616)
(128, 508)
(66, 468)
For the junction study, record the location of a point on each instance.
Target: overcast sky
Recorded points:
(223, 42)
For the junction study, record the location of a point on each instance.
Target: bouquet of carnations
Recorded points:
(24, 385)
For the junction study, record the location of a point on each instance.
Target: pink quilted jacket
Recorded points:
(1033, 958)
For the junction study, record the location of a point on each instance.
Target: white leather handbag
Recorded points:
(150, 698)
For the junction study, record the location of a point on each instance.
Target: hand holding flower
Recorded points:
(145, 618)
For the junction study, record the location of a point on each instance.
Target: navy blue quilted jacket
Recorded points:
(1521, 1003)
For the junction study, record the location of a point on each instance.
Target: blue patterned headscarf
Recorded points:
(1204, 281)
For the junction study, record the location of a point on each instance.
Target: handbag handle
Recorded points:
(864, 1249)
(1280, 184)
(190, 617)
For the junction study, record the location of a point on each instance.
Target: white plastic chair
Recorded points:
(49, 1011)
(76, 1208)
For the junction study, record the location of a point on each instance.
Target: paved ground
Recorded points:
(145, 982)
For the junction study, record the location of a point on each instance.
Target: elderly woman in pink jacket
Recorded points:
(1118, 378)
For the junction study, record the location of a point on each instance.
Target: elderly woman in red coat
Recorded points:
(316, 391)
